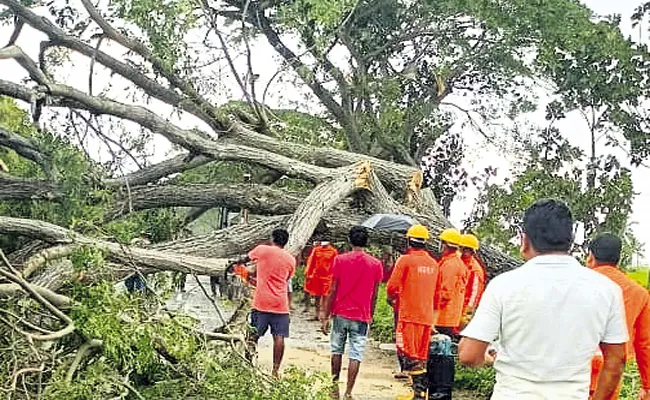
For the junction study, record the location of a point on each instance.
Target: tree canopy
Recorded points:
(397, 85)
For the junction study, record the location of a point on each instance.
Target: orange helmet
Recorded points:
(470, 241)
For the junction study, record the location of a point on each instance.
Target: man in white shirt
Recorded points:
(549, 318)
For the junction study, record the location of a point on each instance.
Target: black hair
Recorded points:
(548, 224)
(358, 236)
(280, 237)
(417, 244)
(606, 248)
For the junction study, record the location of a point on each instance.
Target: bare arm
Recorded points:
(473, 353)
(614, 364)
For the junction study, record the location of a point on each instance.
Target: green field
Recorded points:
(640, 275)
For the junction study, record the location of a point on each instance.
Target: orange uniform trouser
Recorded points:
(596, 367)
(413, 340)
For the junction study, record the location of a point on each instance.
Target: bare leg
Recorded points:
(337, 361)
(317, 308)
(353, 371)
(278, 353)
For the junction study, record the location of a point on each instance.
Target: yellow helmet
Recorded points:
(470, 241)
(451, 236)
(418, 232)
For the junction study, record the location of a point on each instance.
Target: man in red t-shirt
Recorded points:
(273, 266)
(355, 278)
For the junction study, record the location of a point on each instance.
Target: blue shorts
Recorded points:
(261, 321)
(357, 331)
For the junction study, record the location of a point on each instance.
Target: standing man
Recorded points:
(273, 266)
(604, 256)
(469, 245)
(454, 280)
(548, 317)
(318, 274)
(355, 279)
(414, 285)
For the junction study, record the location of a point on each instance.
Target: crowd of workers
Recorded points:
(552, 328)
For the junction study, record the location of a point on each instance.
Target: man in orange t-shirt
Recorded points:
(454, 280)
(414, 285)
(273, 266)
(476, 274)
(604, 256)
(318, 274)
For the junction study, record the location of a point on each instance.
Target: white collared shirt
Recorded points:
(549, 316)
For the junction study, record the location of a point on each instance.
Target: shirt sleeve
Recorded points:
(380, 272)
(642, 343)
(486, 323)
(255, 254)
(616, 328)
(335, 269)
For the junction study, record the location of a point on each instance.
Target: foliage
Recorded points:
(556, 169)
(383, 328)
(640, 276)
(480, 381)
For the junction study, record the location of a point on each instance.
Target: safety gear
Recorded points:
(418, 232)
(470, 241)
(451, 236)
(420, 384)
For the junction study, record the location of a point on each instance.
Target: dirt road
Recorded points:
(309, 349)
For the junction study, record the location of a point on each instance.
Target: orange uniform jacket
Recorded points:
(475, 282)
(454, 280)
(415, 282)
(637, 311)
(318, 271)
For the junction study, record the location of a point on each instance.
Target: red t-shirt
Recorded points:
(356, 274)
(274, 267)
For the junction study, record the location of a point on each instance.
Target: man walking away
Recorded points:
(548, 316)
(414, 285)
(318, 282)
(454, 280)
(604, 256)
(355, 279)
(273, 268)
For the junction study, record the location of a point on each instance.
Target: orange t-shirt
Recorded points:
(454, 280)
(637, 312)
(415, 282)
(475, 282)
(274, 268)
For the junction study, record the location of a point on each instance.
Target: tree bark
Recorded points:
(259, 199)
(27, 189)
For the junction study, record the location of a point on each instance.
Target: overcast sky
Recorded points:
(265, 63)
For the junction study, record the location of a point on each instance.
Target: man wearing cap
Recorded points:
(469, 244)
(454, 280)
(414, 285)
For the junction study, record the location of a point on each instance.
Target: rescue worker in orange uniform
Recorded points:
(604, 256)
(414, 285)
(469, 244)
(454, 281)
(318, 273)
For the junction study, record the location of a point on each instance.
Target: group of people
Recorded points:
(552, 328)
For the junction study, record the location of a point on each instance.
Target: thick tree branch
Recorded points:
(13, 188)
(155, 172)
(258, 199)
(23, 146)
(59, 37)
